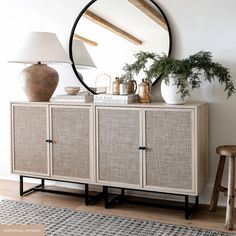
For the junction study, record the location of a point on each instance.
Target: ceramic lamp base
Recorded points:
(39, 82)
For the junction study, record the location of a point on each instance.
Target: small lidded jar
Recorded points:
(116, 86)
(144, 92)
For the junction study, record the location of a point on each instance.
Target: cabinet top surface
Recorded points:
(138, 105)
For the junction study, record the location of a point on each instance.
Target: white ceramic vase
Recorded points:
(169, 91)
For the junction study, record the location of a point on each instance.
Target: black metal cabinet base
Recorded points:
(188, 207)
(89, 199)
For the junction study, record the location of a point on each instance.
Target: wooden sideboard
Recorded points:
(152, 147)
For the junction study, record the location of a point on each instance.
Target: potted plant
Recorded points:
(180, 76)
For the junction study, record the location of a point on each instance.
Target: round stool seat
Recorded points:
(226, 150)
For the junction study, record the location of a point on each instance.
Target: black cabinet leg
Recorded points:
(189, 210)
(186, 208)
(36, 188)
(21, 186)
(42, 183)
(109, 203)
(122, 192)
(197, 201)
(86, 194)
(91, 199)
(106, 196)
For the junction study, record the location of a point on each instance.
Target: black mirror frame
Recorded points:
(72, 35)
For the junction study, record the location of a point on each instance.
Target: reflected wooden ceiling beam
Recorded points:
(107, 25)
(84, 40)
(150, 12)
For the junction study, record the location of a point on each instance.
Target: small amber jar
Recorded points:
(144, 92)
(116, 86)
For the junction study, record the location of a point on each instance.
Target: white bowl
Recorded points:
(72, 90)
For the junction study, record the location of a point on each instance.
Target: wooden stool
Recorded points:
(225, 151)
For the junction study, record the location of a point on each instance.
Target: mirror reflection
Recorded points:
(107, 35)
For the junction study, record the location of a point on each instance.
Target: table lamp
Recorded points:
(39, 80)
(81, 56)
(81, 59)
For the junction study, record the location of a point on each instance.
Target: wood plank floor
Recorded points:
(202, 218)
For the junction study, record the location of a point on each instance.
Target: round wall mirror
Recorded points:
(106, 35)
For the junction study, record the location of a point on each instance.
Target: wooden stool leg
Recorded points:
(216, 190)
(229, 221)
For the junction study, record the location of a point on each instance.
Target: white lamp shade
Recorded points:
(41, 47)
(81, 57)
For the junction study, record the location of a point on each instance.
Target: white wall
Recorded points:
(196, 25)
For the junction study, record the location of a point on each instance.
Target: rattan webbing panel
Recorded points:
(70, 135)
(118, 142)
(29, 136)
(169, 153)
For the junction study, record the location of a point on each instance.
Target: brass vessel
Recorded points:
(131, 86)
(116, 86)
(144, 91)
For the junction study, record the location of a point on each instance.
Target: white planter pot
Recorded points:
(169, 91)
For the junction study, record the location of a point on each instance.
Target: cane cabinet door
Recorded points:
(30, 149)
(72, 146)
(118, 137)
(169, 154)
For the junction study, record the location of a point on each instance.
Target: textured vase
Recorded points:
(39, 82)
(169, 91)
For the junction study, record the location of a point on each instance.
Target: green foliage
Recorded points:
(188, 72)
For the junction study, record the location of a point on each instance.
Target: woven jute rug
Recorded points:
(66, 222)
